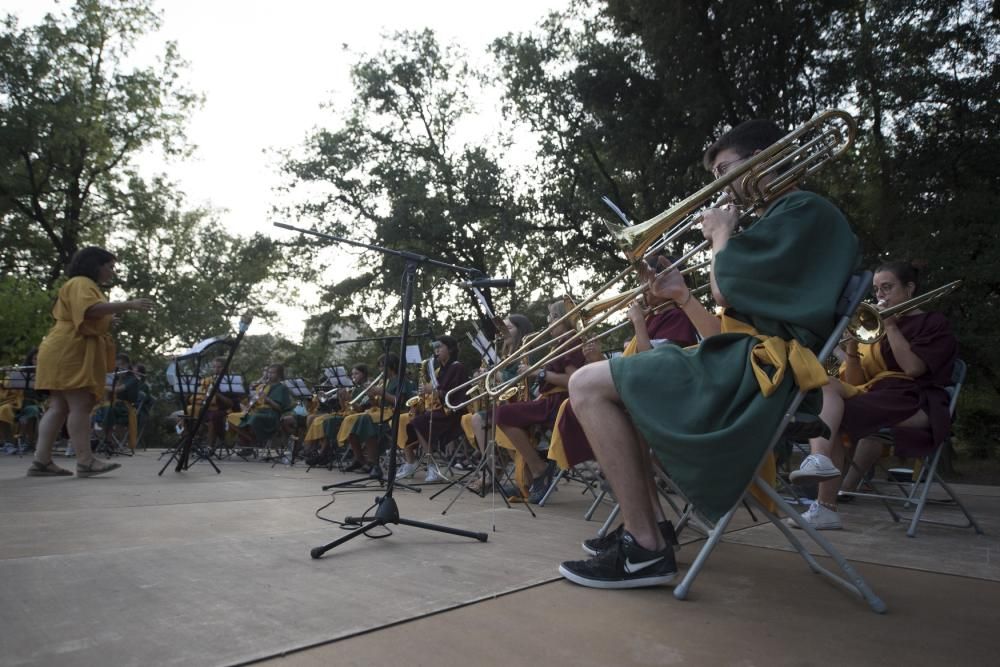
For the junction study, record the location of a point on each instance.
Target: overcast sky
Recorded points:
(265, 68)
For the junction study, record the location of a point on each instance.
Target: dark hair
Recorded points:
(88, 261)
(905, 272)
(121, 355)
(140, 369)
(452, 345)
(29, 358)
(389, 361)
(745, 138)
(281, 369)
(523, 325)
(362, 368)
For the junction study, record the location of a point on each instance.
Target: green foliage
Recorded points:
(25, 320)
(73, 118)
(397, 171)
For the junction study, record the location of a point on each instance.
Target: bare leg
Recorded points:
(831, 414)
(654, 494)
(50, 425)
(866, 453)
(80, 402)
(618, 449)
(479, 429)
(522, 443)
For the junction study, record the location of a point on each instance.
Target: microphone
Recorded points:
(488, 282)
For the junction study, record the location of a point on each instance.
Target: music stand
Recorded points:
(388, 511)
(186, 442)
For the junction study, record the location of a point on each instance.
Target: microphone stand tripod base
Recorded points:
(387, 513)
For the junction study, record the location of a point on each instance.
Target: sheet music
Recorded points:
(232, 384)
(199, 348)
(338, 377)
(298, 388)
(19, 380)
(413, 354)
(485, 348)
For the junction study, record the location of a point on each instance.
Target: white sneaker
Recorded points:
(69, 451)
(815, 468)
(406, 470)
(819, 517)
(434, 475)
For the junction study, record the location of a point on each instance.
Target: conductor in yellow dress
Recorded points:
(73, 359)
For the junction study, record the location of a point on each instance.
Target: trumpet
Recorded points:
(762, 178)
(867, 325)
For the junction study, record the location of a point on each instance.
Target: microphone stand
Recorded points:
(376, 473)
(388, 511)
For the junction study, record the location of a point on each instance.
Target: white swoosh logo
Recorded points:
(632, 568)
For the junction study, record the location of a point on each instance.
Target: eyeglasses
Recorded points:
(721, 170)
(884, 288)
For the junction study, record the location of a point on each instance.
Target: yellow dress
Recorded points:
(77, 353)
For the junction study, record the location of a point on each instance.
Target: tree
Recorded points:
(398, 171)
(72, 120)
(625, 94)
(25, 320)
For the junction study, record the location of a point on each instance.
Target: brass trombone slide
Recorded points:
(763, 177)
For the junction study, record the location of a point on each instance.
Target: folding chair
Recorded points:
(854, 291)
(918, 491)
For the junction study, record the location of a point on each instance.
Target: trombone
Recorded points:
(765, 176)
(867, 325)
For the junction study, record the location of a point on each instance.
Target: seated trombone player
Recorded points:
(662, 322)
(361, 429)
(323, 429)
(896, 383)
(705, 411)
(516, 327)
(515, 421)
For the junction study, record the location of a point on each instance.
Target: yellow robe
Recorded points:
(77, 353)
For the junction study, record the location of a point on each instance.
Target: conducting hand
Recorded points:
(140, 304)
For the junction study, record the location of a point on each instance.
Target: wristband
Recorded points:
(686, 301)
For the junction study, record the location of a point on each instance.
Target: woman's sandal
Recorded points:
(50, 469)
(96, 467)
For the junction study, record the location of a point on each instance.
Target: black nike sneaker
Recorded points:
(596, 545)
(626, 565)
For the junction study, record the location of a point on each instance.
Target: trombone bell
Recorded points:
(866, 324)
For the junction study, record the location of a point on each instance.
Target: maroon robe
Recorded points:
(541, 411)
(893, 400)
(446, 423)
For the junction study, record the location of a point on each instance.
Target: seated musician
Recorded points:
(361, 430)
(323, 429)
(435, 419)
(263, 416)
(708, 412)
(517, 326)
(20, 410)
(897, 383)
(516, 422)
(122, 417)
(662, 322)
